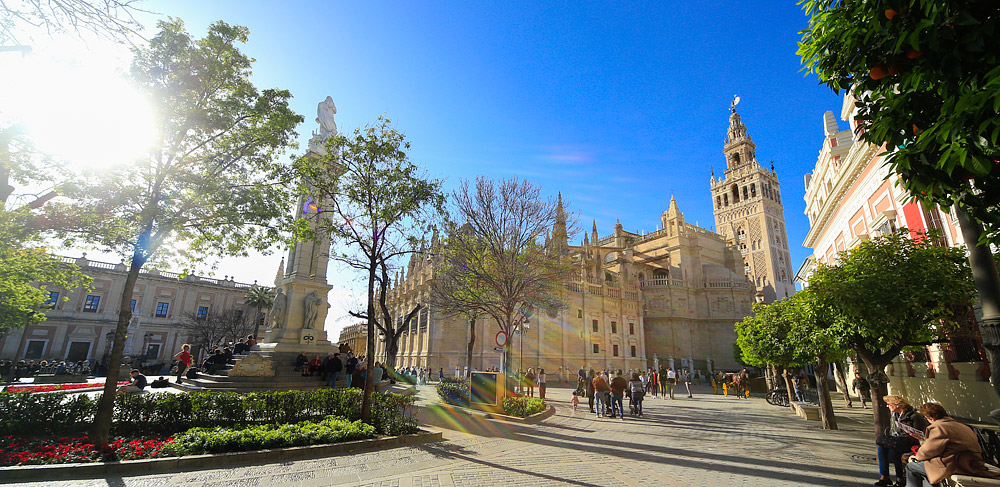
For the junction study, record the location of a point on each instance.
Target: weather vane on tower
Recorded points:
(736, 101)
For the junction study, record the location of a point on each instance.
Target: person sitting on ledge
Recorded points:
(891, 446)
(241, 347)
(160, 383)
(949, 447)
(315, 365)
(301, 361)
(136, 384)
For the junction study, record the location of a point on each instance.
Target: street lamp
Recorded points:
(759, 297)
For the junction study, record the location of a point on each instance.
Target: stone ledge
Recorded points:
(810, 413)
(533, 419)
(71, 471)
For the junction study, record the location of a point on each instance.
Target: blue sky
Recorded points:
(617, 105)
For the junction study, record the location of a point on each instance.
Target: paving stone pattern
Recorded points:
(706, 441)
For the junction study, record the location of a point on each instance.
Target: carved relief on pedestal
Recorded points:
(252, 365)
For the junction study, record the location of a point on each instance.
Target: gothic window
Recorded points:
(753, 190)
(736, 194)
(725, 200)
(736, 159)
(744, 192)
(718, 202)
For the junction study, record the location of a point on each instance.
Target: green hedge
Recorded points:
(454, 390)
(523, 407)
(263, 436)
(164, 414)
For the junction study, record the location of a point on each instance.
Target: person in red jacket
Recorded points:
(184, 357)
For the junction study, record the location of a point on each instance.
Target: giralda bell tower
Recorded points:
(748, 212)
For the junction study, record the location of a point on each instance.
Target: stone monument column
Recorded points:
(297, 324)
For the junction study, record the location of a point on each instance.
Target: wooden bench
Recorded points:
(989, 440)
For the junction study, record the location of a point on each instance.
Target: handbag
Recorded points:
(899, 443)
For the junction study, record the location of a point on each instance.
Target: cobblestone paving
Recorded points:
(706, 441)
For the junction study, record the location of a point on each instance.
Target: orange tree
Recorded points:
(888, 293)
(926, 76)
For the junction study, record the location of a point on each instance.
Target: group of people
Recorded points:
(530, 379)
(931, 445)
(11, 371)
(607, 389)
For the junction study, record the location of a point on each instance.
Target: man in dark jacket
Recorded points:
(349, 366)
(332, 366)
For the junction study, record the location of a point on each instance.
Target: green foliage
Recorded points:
(28, 271)
(454, 390)
(212, 179)
(926, 76)
(330, 429)
(164, 414)
(522, 407)
(765, 337)
(892, 290)
(376, 204)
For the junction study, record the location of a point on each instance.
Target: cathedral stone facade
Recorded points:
(670, 295)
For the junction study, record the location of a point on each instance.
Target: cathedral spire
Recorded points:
(594, 237)
(281, 272)
(560, 236)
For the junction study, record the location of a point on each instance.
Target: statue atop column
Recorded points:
(327, 126)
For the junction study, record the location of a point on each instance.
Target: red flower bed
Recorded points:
(17, 450)
(57, 387)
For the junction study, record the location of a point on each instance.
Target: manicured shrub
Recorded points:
(164, 414)
(257, 437)
(523, 407)
(454, 390)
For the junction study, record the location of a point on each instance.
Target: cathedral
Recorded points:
(669, 297)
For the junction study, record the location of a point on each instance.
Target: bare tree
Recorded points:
(112, 19)
(216, 328)
(388, 324)
(496, 263)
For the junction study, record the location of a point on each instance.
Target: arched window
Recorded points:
(660, 274)
(718, 202)
(736, 159)
(753, 190)
(745, 192)
(736, 194)
(725, 199)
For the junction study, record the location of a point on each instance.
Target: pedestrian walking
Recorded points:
(687, 382)
(541, 383)
(184, 357)
(862, 388)
(671, 381)
(590, 389)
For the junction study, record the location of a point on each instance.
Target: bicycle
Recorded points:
(777, 397)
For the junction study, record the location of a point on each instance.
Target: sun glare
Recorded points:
(76, 106)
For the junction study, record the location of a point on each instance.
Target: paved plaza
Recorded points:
(706, 441)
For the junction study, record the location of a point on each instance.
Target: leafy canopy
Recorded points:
(891, 291)
(212, 180)
(926, 77)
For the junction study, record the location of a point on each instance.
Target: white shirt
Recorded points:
(671, 374)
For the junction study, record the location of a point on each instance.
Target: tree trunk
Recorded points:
(823, 389)
(984, 271)
(366, 403)
(880, 410)
(100, 429)
(788, 385)
(839, 373)
(472, 343)
(391, 350)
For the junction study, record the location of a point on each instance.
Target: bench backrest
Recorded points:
(989, 440)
